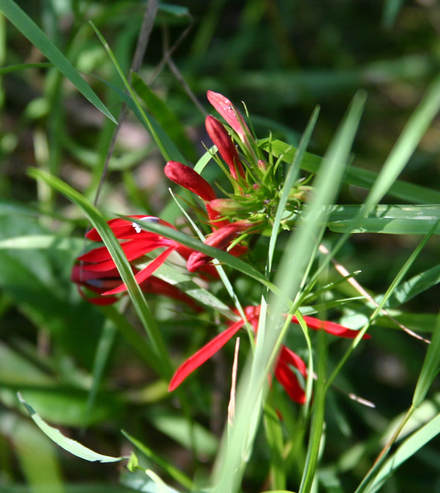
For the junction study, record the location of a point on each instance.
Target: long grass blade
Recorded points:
(37, 37)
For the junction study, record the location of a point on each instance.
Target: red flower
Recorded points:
(225, 146)
(231, 115)
(286, 358)
(220, 238)
(187, 178)
(97, 271)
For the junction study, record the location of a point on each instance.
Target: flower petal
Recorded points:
(228, 112)
(330, 327)
(144, 274)
(125, 229)
(289, 381)
(225, 146)
(203, 354)
(288, 357)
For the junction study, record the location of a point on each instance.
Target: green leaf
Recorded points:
(414, 286)
(173, 472)
(353, 175)
(121, 262)
(408, 448)
(430, 368)
(33, 242)
(387, 219)
(37, 37)
(64, 442)
(176, 427)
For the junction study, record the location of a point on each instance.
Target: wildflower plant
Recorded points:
(251, 257)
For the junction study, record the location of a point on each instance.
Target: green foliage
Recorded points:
(369, 197)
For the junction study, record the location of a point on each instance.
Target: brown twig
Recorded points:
(344, 273)
(141, 47)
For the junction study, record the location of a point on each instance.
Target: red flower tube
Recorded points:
(225, 146)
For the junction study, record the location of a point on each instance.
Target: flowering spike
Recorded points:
(228, 112)
(225, 146)
(186, 177)
(203, 354)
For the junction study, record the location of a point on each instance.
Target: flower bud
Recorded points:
(229, 113)
(186, 177)
(225, 146)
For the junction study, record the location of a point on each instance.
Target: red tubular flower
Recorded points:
(225, 146)
(229, 113)
(97, 271)
(186, 177)
(286, 358)
(221, 238)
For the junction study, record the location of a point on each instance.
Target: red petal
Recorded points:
(125, 229)
(133, 250)
(203, 354)
(289, 381)
(288, 357)
(186, 177)
(225, 146)
(144, 274)
(102, 301)
(228, 112)
(330, 327)
(159, 286)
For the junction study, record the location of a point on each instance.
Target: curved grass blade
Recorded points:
(175, 473)
(408, 448)
(290, 179)
(302, 245)
(166, 146)
(64, 442)
(120, 260)
(36, 36)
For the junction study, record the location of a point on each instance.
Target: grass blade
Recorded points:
(64, 442)
(231, 460)
(120, 260)
(37, 37)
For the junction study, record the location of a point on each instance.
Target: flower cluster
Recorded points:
(248, 209)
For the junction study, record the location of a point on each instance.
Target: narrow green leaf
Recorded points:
(64, 442)
(290, 179)
(387, 219)
(43, 242)
(120, 260)
(166, 146)
(414, 286)
(175, 473)
(430, 368)
(302, 245)
(37, 37)
(408, 448)
(354, 175)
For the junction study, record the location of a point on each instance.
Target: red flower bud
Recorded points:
(225, 146)
(186, 177)
(229, 113)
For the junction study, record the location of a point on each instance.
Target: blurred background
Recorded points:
(282, 58)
